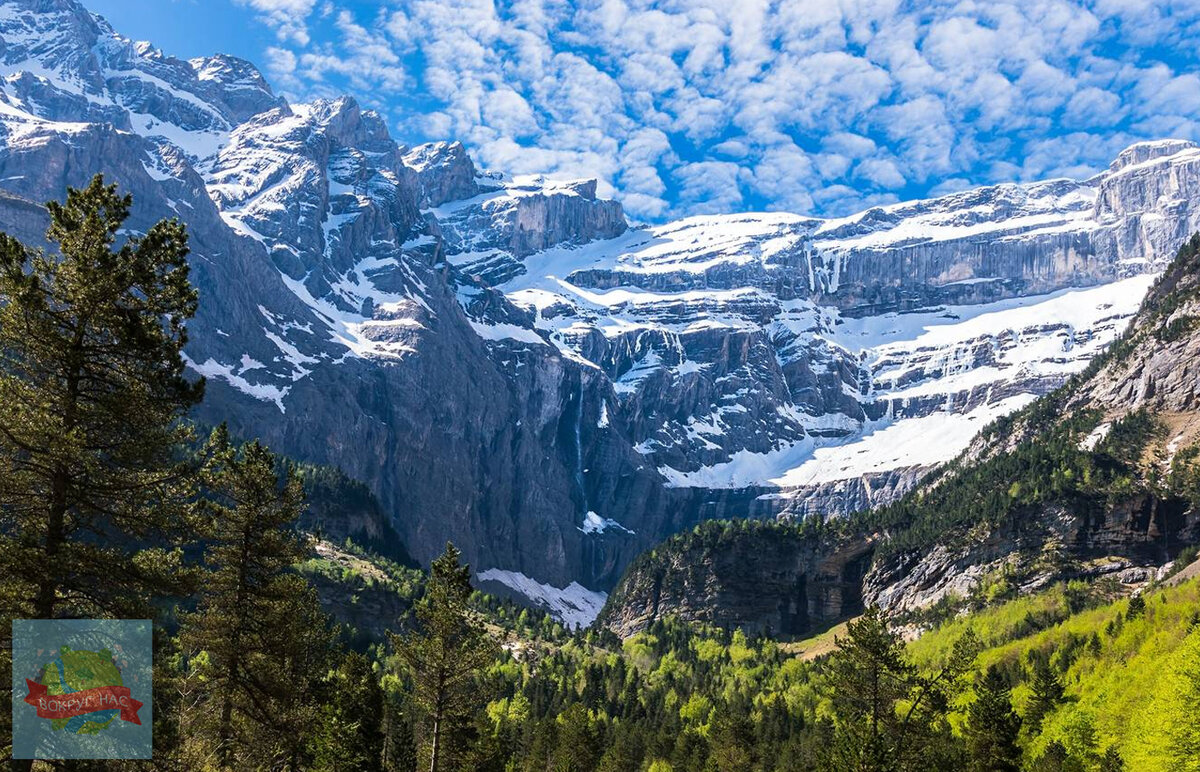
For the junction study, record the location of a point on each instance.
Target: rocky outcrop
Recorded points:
(1158, 365)
(444, 171)
(855, 494)
(1128, 540)
(764, 579)
(357, 593)
(524, 217)
(791, 583)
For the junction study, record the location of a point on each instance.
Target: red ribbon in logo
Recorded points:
(86, 701)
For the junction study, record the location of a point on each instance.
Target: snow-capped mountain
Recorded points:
(508, 364)
(817, 356)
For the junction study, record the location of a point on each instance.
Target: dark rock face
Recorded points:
(1130, 538)
(764, 580)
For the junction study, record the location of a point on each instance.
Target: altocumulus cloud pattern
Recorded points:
(723, 105)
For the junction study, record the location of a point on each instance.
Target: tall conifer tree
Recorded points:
(258, 635)
(92, 402)
(993, 727)
(1047, 694)
(92, 405)
(443, 658)
(889, 715)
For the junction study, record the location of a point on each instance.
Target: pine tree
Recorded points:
(731, 740)
(1047, 694)
(1137, 607)
(1054, 759)
(92, 397)
(92, 402)
(444, 657)
(869, 676)
(889, 716)
(993, 727)
(350, 730)
(258, 634)
(578, 743)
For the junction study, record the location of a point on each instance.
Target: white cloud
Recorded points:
(710, 187)
(287, 17)
(1093, 106)
(813, 105)
(882, 172)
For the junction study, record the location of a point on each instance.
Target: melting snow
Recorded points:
(266, 392)
(505, 331)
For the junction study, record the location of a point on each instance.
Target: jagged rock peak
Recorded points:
(57, 33)
(445, 171)
(1140, 152)
(230, 71)
(242, 87)
(87, 57)
(344, 120)
(437, 154)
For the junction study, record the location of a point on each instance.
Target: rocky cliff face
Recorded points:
(506, 363)
(1131, 540)
(783, 582)
(1128, 520)
(825, 360)
(761, 578)
(329, 324)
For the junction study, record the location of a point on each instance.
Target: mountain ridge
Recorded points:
(507, 363)
(1096, 479)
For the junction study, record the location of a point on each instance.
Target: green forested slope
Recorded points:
(1130, 671)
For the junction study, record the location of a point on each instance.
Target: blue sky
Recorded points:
(812, 106)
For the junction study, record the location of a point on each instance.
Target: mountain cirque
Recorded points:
(509, 364)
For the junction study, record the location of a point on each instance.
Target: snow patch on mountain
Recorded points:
(266, 392)
(574, 605)
(594, 523)
(879, 446)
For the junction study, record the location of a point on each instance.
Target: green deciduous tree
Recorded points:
(1184, 732)
(443, 657)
